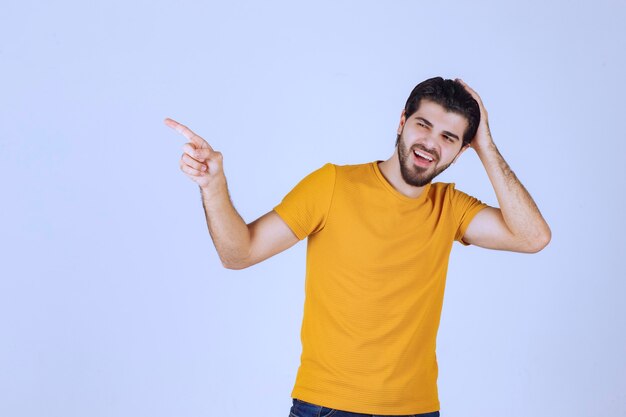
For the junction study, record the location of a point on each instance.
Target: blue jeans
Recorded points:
(304, 409)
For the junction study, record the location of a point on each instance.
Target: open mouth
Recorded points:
(422, 158)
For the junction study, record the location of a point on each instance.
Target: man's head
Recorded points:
(452, 96)
(438, 123)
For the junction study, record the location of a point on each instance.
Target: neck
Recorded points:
(391, 171)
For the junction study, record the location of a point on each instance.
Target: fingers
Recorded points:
(190, 165)
(474, 94)
(470, 90)
(190, 150)
(467, 87)
(191, 171)
(189, 161)
(200, 154)
(188, 133)
(202, 160)
(206, 154)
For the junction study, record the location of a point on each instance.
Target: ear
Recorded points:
(402, 121)
(463, 149)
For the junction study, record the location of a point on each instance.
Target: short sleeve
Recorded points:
(305, 208)
(464, 208)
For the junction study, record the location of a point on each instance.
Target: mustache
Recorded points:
(421, 147)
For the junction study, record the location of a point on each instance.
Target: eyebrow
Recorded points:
(429, 124)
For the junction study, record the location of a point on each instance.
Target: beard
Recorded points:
(415, 175)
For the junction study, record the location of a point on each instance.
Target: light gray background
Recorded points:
(112, 299)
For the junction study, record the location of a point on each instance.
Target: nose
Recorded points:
(430, 142)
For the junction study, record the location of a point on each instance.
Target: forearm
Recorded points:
(228, 230)
(519, 211)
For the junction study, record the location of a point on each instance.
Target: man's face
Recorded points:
(429, 141)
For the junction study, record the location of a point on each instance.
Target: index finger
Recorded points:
(188, 133)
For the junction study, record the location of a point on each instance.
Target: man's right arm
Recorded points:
(238, 244)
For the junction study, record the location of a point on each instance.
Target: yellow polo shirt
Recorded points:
(375, 277)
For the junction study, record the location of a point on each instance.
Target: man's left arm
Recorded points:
(517, 225)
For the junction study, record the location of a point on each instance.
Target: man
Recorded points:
(379, 239)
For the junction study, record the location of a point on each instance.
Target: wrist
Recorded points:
(214, 190)
(484, 146)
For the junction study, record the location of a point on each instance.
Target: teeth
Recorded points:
(423, 156)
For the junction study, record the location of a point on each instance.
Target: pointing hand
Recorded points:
(199, 161)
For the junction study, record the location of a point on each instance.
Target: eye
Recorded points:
(449, 139)
(421, 124)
